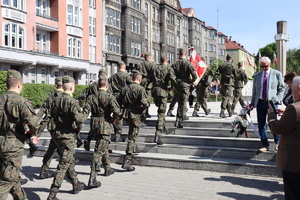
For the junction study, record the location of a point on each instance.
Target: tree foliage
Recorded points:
(293, 60)
(268, 51)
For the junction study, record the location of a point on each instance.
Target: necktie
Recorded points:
(265, 84)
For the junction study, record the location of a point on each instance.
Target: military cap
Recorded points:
(228, 57)
(13, 74)
(68, 79)
(121, 63)
(135, 72)
(58, 80)
(163, 56)
(181, 51)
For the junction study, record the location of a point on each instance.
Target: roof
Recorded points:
(211, 28)
(220, 33)
(233, 45)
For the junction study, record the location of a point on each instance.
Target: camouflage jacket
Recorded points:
(240, 78)
(146, 68)
(45, 110)
(101, 106)
(67, 116)
(206, 79)
(161, 78)
(227, 71)
(184, 71)
(17, 116)
(134, 100)
(118, 81)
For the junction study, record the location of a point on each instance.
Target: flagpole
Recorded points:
(217, 53)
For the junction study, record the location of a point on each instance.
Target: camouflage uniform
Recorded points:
(161, 77)
(227, 71)
(117, 82)
(16, 113)
(134, 101)
(101, 106)
(202, 91)
(185, 75)
(49, 122)
(239, 82)
(66, 112)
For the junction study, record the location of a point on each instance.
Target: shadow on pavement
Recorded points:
(31, 192)
(239, 196)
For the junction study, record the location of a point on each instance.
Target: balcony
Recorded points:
(46, 52)
(46, 16)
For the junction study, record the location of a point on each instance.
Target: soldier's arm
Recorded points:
(115, 107)
(192, 72)
(29, 117)
(144, 99)
(78, 116)
(172, 77)
(245, 78)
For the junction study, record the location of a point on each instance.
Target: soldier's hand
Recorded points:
(77, 131)
(116, 122)
(34, 139)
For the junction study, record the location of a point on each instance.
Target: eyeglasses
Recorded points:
(264, 66)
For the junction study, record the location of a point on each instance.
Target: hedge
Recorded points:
(3, 75)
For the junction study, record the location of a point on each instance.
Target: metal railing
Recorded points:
(46, 16)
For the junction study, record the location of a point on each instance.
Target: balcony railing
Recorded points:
(46, 16)
(46, 52)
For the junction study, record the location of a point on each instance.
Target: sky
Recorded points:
(252, 23)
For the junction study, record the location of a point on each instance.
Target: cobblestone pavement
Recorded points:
(155, 183)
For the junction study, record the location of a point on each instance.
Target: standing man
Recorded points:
(49, 122)
(185, 75)
(134, 101)
(203, 92)
(288, 154)
(16, 113)
(162, 76)
(227, 71)
(239, 81)
(267, 86)
(117, 82)
(146, 69)
(101, 105)
(68, 120)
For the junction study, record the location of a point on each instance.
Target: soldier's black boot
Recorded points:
(78, 187)
(32, 148)
(170, 114)
(207, 111)
(157, 140)
(185, 117)
(222, 114)
(147, 115)
(93, 183)
(45, 174)
(87, 145)
(127, 165)
(229, 113)
(79, 142)
(195, 114)
(165, 129)
(109, 172)
(52, 196)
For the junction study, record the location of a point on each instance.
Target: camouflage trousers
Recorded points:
(101, 154)
(201, 99)
(11, 155)
(174, 100)
(226, 93)
(237, 93)
(134, 128)
(66, 151)
(161, 103)
(183, 92)
(118, 129)
(49, 155)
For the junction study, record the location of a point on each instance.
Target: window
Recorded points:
(171, 57)
(43, 7)
(14, 35)
(74, 14)
(113, 43)
(92, 26)
(170, 38)
(33, 74)
(74, 47)
(211, 47)
(146, 10)
(212, 34)
(178, 41)
(178, 24)
(66, 73)
(170, 18)
(136, 49)
(42, 41)
(136, 4)
(156, 57)
(56, 74)
(92, 3)
(220, 52)
(43, 75)
(135, 25)
(113, 17)
(146, 32)
(92, 53)
(17, 4)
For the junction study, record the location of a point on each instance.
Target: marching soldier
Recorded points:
(101, 105)
(18, 119)
(117, 82)
(239, 82)
(162, 75)
(227, 71)
(185, 75)
(202, 91)
(134, 101)
(66, 112)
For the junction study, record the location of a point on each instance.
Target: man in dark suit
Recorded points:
(267, 86)
(288, 155)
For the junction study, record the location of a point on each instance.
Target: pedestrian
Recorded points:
(163, 79)
(267, 86)
(185, 76)
(287, 158)
(68, 120)
(117, 82)
(227, 71)
(134, 101)
(101, 106)
(240, 80)
(17, 120)
(288, 97)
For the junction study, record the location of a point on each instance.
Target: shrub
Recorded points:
(3, 75)
(37, 93)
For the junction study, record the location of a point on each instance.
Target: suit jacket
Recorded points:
(275, 90)
(288, 155)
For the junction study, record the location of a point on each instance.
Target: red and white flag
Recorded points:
(249, 61)
(259, 56)
(276, 60)
(198, 64)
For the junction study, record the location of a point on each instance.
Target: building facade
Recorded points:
(44, 39)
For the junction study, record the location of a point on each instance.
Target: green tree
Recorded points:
(268, 51)
(214, 64)
(293, 60)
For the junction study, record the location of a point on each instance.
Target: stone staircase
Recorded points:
(201, 145)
